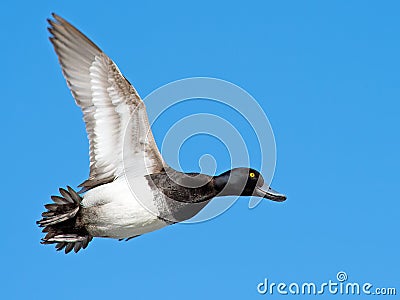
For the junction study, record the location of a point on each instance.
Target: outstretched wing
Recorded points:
(112, 109)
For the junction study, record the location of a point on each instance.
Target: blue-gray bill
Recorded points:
(269, 193)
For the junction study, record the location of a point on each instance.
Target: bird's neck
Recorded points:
(185, 187)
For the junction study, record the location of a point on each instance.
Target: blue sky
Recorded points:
(326, 74)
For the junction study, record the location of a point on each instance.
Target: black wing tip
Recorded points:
(51, 24)
(60, 21)
(58, 18)
(55, 19)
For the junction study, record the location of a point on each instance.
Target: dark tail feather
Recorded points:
(60, 222)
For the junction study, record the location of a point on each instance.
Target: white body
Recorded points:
(113, 210)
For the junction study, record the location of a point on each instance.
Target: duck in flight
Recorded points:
(131, 193)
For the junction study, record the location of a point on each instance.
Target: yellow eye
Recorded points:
(252, 175)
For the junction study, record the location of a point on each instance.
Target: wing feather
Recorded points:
(112, 110)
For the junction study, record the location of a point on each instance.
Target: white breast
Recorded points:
(115, 210)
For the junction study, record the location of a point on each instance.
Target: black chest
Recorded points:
(184, 187)
(180, 196)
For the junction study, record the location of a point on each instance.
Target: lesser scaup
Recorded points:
(112, 110)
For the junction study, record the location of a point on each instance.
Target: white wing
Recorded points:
(112, 110)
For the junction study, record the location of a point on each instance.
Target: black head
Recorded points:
(245, 182)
